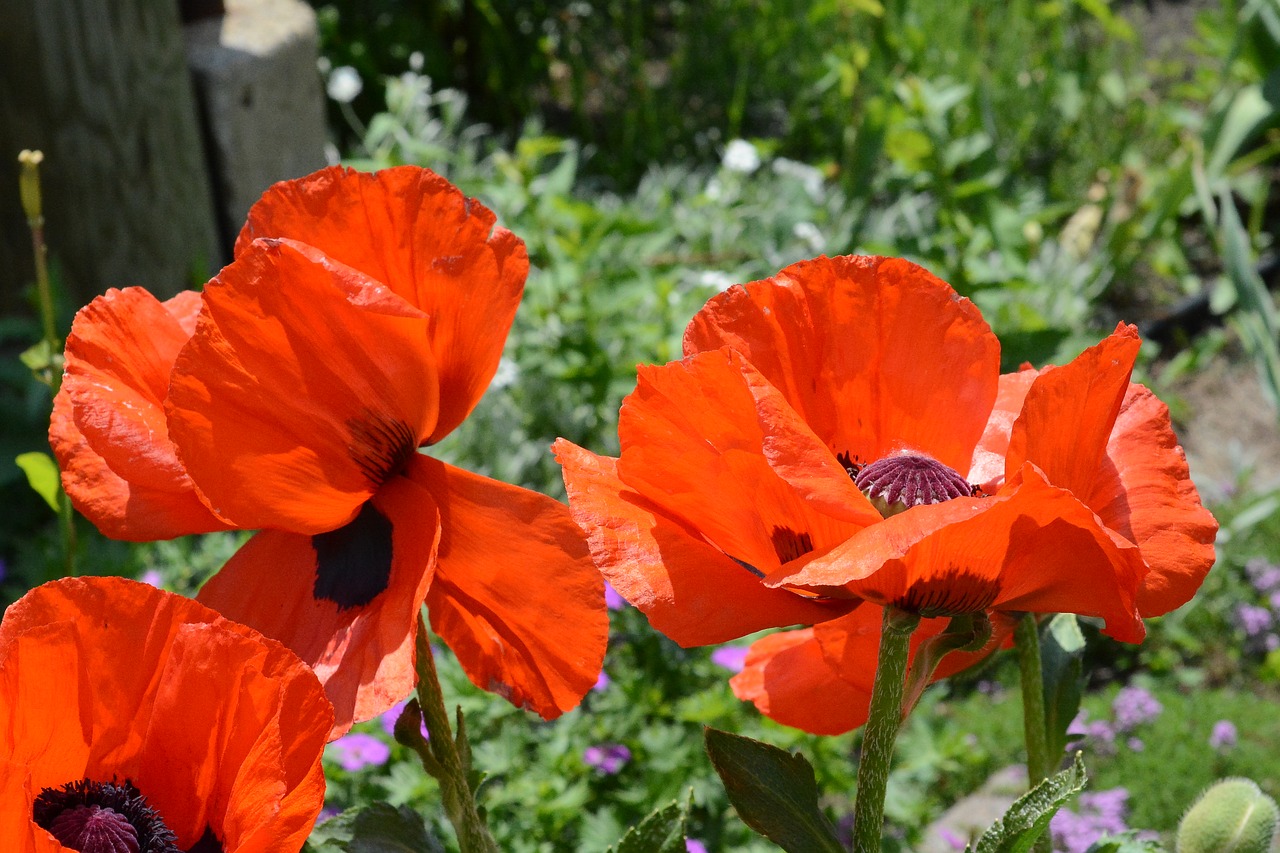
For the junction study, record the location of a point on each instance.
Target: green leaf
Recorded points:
(1028, 818)
(42, 475)
(1062, 666)
(661, 831)
(1257, 320)
(378, 828)
(774, 792)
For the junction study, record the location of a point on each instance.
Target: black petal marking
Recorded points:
(353, 563)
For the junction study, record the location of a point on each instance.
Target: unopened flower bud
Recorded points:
(29, 185)
(1233, 815)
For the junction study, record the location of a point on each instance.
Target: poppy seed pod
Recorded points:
(1232, 816)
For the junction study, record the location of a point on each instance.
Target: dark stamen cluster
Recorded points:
(102, 817)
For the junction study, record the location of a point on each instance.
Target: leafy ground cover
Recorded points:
(650, 155)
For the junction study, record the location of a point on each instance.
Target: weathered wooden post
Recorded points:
(101, 86)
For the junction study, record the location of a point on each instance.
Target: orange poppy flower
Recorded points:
(361, 319)
(841, 434)
(132, 719)
(108, 429)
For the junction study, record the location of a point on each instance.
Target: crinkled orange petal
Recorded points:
(363, 654)
(109, 431)
(694, 445)
(789, 681)
(1034, 548)
(876, 354)
(234, 742)
(689, 590)
(416, 233)
(1143, 491)
(515, 596)
(303, 389)
(1069, 411)
(987, 467)
(189, 713)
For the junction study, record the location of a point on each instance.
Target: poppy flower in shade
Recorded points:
(132, 719)
(840, 436)
(108, 430)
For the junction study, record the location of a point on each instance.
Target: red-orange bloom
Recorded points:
(136, 714)
(362, 318)
(840, 434)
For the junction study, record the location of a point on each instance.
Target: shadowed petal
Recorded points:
(524, 614)
(1143, 491)
(416, 233)
(987, 468)
(693, 444)
(109, 431)
(363, 654)
(689, 590)
(1069, 411)
(305, 379)
(876, 354)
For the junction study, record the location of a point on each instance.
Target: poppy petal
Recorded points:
(524, 614)
(789, 680)
(198, 708)
(876, 354)
(109, 431)
(693, 444)
(363, 654)
(1143, 491)
(303, 389)
(228, 744)
(1035, 548)
(1069, 412)
(689, 590)
(987, 467)
(415, 232)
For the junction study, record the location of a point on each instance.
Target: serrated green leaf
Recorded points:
(1062, 667)
(1028, 818)
(378, 828)
(774, 792)
(661, 831)
(42, 475)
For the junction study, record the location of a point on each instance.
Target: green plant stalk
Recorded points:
(449, 767)
(1027, 642)
(883, 721)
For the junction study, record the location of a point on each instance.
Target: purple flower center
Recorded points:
(897, 483)
(102, 817)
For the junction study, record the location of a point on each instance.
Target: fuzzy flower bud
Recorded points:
(1233, 816)
(29, 185)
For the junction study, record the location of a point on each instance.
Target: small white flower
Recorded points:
(416, 59)
(344, 84)
(741, 156)
(809, 233)
(507, 374)
(715, 278)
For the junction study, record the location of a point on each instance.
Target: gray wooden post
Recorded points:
(101, 86)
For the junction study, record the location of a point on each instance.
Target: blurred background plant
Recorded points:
(1064, 164)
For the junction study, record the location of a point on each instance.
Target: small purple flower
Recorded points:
(1101, 813)
(1134, 706)
(1253, 620)
(387, 719)
(1100, 735)
(1223, 736)
(602, 682)
(1135, 744)
(1264, 576)
(1271, 642)
(612, 599)
(952, 840)
(732, 658)
(357, 751)
(693, 845)
(152, 577)
(608, 758)
(1274, 601)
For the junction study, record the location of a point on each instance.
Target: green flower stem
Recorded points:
(1027, 642)
(449, 766)
(882, 729)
